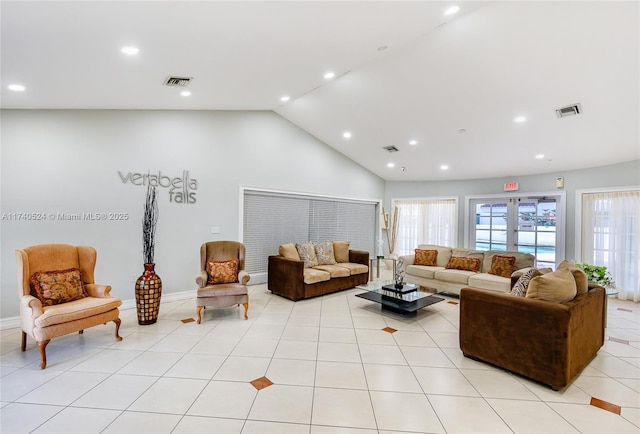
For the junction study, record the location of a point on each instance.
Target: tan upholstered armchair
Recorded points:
(64, 298)
(222, 280)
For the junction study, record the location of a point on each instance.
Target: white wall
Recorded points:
(67, 161)
(623, 174)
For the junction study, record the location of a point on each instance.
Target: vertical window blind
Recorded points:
(274, 218)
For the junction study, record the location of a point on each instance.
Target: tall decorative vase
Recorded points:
(148, 292)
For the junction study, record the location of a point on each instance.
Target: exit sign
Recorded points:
(511, 186)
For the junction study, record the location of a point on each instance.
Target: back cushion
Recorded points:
(557, 287)
(341, 251)
(289, 251)
(426, 257)
(580, 276)
(444, 253)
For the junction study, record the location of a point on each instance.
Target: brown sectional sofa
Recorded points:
(289, 278)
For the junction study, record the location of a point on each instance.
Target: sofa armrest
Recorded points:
(243, 277)
(549, 342)
(98, 291)
(286, 277)
(201, 279)
(359, 257)
(32, 303)
(407, 260)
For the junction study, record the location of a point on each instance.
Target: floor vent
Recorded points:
(178, 81)
(571, 110)
(390, 148)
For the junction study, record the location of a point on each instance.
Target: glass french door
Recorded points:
(518, 224)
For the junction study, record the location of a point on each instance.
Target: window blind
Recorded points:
(274, 218)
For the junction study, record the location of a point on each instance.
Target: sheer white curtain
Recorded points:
(611, 237)
(426, 221)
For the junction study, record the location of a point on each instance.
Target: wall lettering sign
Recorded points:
(181, 189)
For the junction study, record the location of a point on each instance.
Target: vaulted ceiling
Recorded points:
(475, 90)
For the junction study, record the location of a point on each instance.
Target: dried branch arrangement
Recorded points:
(149, 223)
(391, 237)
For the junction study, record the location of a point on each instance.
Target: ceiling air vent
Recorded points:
(390, 148)
(178, 81)
(571, 110)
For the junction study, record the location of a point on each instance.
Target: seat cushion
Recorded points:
(222, 289)
(454, 276)
(334, 270)
(311, 276)
(354, 268)
(75, 310)
(423, 271)
(490, 281)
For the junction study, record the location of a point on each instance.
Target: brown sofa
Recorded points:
(288, 278)
(545, 341)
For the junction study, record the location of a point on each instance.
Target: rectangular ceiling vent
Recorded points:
(178, 81)
(390, 148)
(571, 110)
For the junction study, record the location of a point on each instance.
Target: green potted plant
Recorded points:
(598, 274)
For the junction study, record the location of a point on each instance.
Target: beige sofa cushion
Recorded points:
(559, 287)
(307, 254)
(75, 310)
(582, 283)
(324, 253)
(334, 270)
(311, 276)
(354, 268)
(341, 251)
(444, 253)
(423, 271)
(490, 281)
(289, 251)
(454, 276)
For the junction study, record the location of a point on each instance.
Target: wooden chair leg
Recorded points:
(198, 313)
(80, 332)
(118, 321)
(42, 345)
(23, 345)
(246, 308)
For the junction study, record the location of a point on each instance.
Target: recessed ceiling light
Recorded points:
(391, 165)
(346, 135)
(462, 131)
(540, 156)
(285, 98)
(382, 47)
(519, 119)
(185, 93)
(444, 167)
(329, 75)
(16, 87)
(130, 51)
(413, 142)
(452, 10)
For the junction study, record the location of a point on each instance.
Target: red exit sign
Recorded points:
(511, 186)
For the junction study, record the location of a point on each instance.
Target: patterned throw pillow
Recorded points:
(222, 271)
(324, 253)
(60, 286)
(426, 257)
(520, 288)
(466, 264)
(502, 266)
(307, 254)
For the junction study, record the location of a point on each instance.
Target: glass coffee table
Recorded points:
(405, 301)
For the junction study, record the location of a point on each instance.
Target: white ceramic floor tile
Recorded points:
(382, 354)
(161, 326)
(22, 381)
(78, 420)
(530, 417)
(632, 415)
(117, 392)
(151, 363)
(610, 390)
(19, 359)
(338, 352)
(342, 335)
(340, 375)
(374, 337)
(169, 395)
(265, 331)
(571, 393)
(282, 403)
(445, 339)
(426, 356)
(191, 365)
(261, 427)
(301, 333)
(24, 418)
(413, 338)
(215, 345)
(341, 321)
(301, 350)
(292, 372)
(405, 412)
(477, 416)
(304, 320)
(373, 323)
(462, 362)
(615, 367)
(64, 388)
(139, 341)
(242, 369)
(343, 408)
(224, 399)
(252, 347)
(443, 381)
(143, 423)
(208, 425)
(391, 378)
(318, 429)
(107, 361)
(589, 419)
(498, 384)
(176, 343)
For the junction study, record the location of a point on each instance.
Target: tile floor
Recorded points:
(333, 369)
